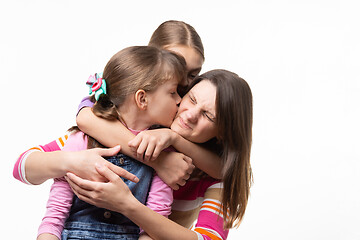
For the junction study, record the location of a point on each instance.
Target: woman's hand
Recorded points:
(116, 196)
(85, 161)
(173, 168)
(113, 194)
(147, 145)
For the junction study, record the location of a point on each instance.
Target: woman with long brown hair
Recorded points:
(219, 106)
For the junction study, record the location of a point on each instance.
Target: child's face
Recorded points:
(163, 103)
(194, 62)
(196, 118)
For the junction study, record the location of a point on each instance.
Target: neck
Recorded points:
(133, 118)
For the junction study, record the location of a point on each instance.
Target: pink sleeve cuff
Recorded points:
(57, 208)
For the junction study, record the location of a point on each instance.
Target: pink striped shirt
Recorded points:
(198, 200)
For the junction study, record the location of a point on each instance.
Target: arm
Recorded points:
(116, 196)
(210, 224)
(61, 196)
(151, 142)
(25, 162)
(173, 171)
(203, 159)
(160, 199)
(41, 163)
(108, 133)
(57, 210)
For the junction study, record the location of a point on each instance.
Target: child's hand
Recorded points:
(148, 144)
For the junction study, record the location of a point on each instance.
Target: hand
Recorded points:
(113, 194)
(84, 164)
(148, 144)
(173, 168)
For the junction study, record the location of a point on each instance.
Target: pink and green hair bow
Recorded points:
(96, 85)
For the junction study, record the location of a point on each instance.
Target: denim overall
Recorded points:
(89, 222)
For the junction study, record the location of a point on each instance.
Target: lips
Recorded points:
(183, 124)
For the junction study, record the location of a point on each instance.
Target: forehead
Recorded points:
(173, 82)
(205, 94)
(192, 57)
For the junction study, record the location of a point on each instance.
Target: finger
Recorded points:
(79, 182)
(141, 150)
(107, 173)
(191, 169)
(123, 173)
(187, 159)
(156, 153)
(186, 177)
(76, 191)
(149, 151)
(82, 194)
(107, 152)
(191, 166)
(135, 142)
(174, 186)
(182, 182)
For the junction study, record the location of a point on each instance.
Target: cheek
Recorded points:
(172, 109)
(207, 131)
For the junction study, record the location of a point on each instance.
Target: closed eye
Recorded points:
(209, 116)
(192, 99)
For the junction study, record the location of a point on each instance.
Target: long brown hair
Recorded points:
(234, 117)
(131, 69)
(174, 32)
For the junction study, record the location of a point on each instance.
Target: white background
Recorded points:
(301, 59)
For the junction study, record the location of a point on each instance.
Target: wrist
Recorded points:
(66, 162)
(130, 206)
(174, 137)
(157, 163)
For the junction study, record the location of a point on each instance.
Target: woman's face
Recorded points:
(195, 119)
(194, 62)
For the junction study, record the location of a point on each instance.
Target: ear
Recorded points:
(141, 99)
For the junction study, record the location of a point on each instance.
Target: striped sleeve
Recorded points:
(210, 220)
(19, 167)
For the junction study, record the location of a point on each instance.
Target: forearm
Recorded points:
(41, 166)
(108, 133)
(202, 158)
(155, 225)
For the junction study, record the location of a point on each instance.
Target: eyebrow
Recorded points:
(195, 70)
(191, 94)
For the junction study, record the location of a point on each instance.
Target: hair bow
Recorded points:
(96, 85)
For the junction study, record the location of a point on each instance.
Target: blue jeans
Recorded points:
(90, 222)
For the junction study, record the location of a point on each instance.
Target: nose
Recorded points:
(192, 115)
(177, 98)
